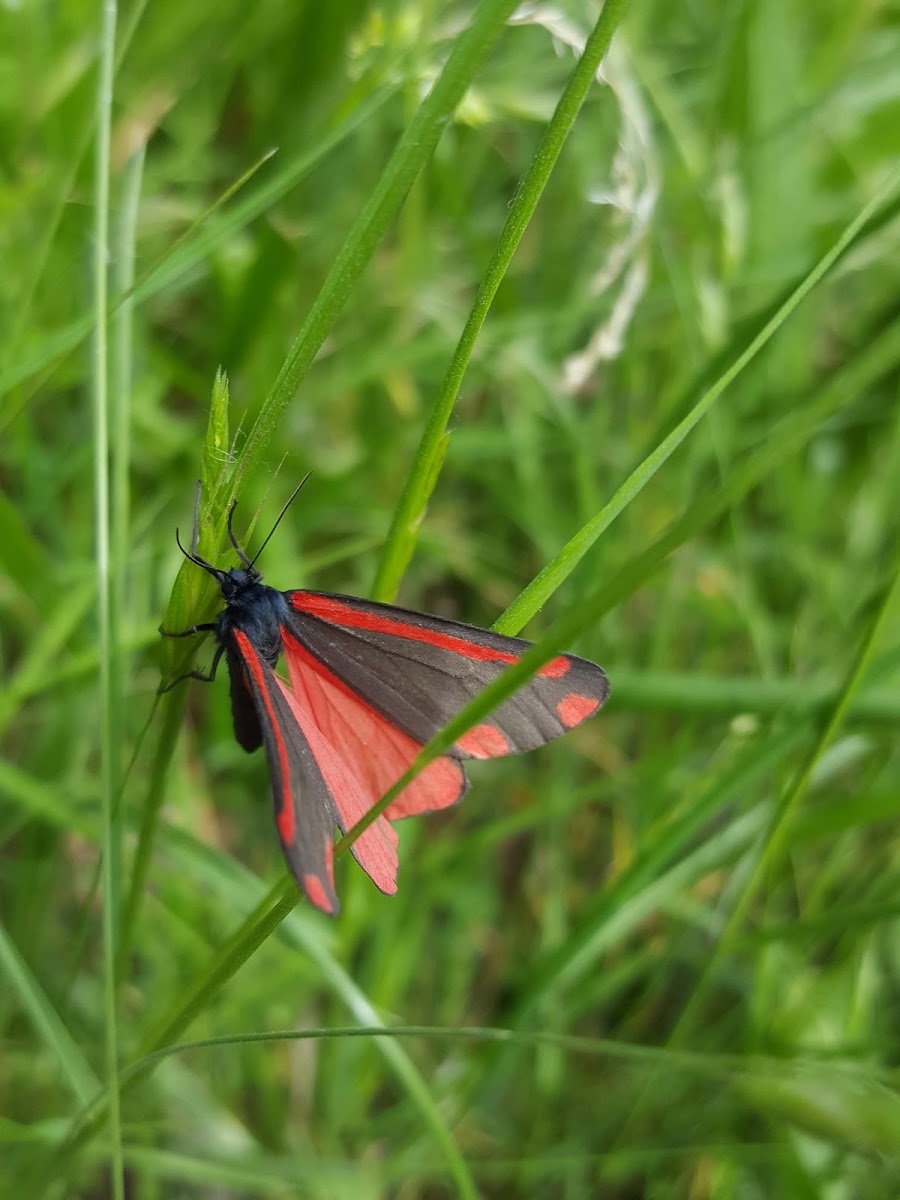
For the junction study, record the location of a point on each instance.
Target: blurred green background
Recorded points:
(686, 912)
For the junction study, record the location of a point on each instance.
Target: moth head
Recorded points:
(237, 580)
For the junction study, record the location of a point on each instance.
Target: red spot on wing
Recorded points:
(285, 818)
(484, 741)
(326, 608)
(573, 709)
(315, 890)
(375, 752)
(555, 668)
(318, 889)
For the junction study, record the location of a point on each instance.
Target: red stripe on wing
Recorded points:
(326, 608)
(350, 616)
(285, 817)
(376, 753)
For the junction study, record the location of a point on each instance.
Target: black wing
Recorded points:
(418, 671)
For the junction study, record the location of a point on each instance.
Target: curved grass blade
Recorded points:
(546, 583)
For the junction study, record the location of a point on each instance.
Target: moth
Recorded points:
(368, 684)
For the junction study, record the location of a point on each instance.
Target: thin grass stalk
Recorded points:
(106, 633)
(122, 374)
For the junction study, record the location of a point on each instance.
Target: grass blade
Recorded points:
(426, 466)
(412, 152)
(107, 631)
(46, 1020)
(546, 583)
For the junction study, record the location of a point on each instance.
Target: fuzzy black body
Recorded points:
(258, 611)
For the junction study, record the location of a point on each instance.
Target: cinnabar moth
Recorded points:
(369, 684)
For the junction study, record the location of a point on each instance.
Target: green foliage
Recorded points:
(615, 361)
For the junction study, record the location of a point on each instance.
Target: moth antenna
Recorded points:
(240, 553)
(196, 559)
(290, 501)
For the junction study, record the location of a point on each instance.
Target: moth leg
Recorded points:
(203, 678)
(206, 627)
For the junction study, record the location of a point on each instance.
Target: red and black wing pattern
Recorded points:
(380, 681)
(313, 787)
(375, 749)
